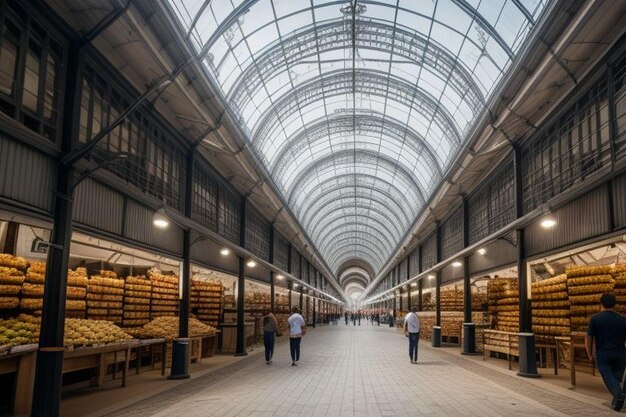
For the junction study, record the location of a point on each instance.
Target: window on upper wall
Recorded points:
(31, 63)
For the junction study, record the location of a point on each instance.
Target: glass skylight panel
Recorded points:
(294, 96)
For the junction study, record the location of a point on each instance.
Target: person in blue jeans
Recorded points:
(412, 331)
(270, 330)
(605, 343)
(297, 329)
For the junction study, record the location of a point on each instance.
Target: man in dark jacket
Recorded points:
(605, 343)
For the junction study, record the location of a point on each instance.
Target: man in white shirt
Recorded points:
(297, 329)
(412, 331)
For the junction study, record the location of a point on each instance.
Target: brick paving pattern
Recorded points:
(362, 371)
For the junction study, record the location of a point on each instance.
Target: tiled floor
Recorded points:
(362, 371)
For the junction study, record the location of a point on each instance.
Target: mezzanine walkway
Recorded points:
(363, 371)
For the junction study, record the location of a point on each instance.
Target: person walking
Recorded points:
(346, 314)
(270, 331)
(412, 331)
(297, 329)
(605, 343)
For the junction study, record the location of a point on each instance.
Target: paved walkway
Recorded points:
(361, 371)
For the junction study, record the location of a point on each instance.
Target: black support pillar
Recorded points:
(314, 312)
(241, 286)
(49, 362)
(527, 354)
(180, 346)
(420, 288)
(272, 284)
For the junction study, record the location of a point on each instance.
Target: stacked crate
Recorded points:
(164, 294)
(585, 286)
(105, 297)
(206, 301)
(32, 288)
(137, 295)
(503, 300)
(550, 312)
(75, 305)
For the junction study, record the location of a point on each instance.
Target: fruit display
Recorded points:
(11, 281)
(105, 296)
(137, 296)
(207, 301)
(451, 299)
(283, 324)
(550, 308)
(10, 261)
(167, 327)
(24, 329)
(451, 323)
(77, 281)
(81, 332)
(164, 300)
(585, 285)
(21, 330)
(503, 301)
(258, 301)
(281, 303)
(619, 289)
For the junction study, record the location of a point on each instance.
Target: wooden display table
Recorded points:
(502, 342)
(569, 345)
(154, 348)
(99, 358)
(21, 361)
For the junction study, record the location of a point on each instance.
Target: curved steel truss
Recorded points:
(356, 108)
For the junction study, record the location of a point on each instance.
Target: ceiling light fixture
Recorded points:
(456, 264)
(251, 263)
(159, 219)
(225, 251)
(482, 251)
(548, 223)
(279, 276)
(431, 277)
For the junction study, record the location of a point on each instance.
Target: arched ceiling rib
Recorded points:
(356, 108)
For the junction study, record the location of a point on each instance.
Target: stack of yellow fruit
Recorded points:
(167, 327)
(164, 294)
(21, 330)
(11, 280)
(137, 293)
(79, 332)
(33, 287)
(105, 295)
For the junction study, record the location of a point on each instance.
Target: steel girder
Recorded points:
(368, 82)
(335, 213)
(371, 34)
(329, 195)
(334, 184)
(329, 237)
(354, 270)
(346, 251)
(322, 233)
(355, 278)
(361, 124)
(332, 161)
(359, 263)
(353, 241)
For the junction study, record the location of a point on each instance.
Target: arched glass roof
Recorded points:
(357, 108)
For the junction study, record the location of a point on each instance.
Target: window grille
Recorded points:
(281, 247)
(570, 149)
(32, 65)
(429, 251)
(229, 216)
(619, 74)
(155, 163)
(205, 193)
(257, 233)
(452, 234)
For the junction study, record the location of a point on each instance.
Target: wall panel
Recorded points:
(583, 218)
(139, 227)
(26, 175)
(99, 206)
(619, 201)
